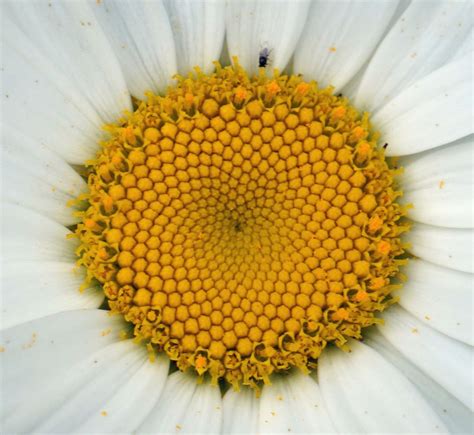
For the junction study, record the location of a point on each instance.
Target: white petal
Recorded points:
(141, 36)
(27, 235)
(365, 393)
(204, 414)
(332, 56)
(60, 75)
(293, 404)
(111, 391)
(245, 421)
(447, 361)
(423, 39)
(448, 247)
(36, 178)
(132, 402)
(198, 29)
(439, 184)
(185, 407)
(466, 46)
(37, 289)
(253, 26)
(38, 352)
(438, 297)
(88, 386)
(456, 417)
(421, 116)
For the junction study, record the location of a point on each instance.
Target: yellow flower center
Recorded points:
(241, 224)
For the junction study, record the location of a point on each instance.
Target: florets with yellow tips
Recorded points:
(241, 224)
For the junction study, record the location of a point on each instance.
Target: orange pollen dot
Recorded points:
(189, 98)
(384, 247)
(362, 296)
(363, 148)
(302, 89)
(240, 94)
(375, 223)
(231, 224)
(273, 88)
(200, 362)
(116, 160)
(358, 133)
(341, 314)
(90, 223)
(338, 112)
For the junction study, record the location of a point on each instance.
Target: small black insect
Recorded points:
(263, 58)
(339, 95)
(385, 146)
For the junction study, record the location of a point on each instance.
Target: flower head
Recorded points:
(240, 220)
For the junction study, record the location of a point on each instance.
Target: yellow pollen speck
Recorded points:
(442, 184)
(240, 224)
(103, 413)
(332, 49)
(32, 341)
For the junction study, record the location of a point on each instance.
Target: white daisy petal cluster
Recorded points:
(69, 67)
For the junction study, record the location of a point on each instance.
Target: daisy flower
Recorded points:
(237, 217)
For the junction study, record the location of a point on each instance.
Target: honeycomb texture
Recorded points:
(241, 224)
